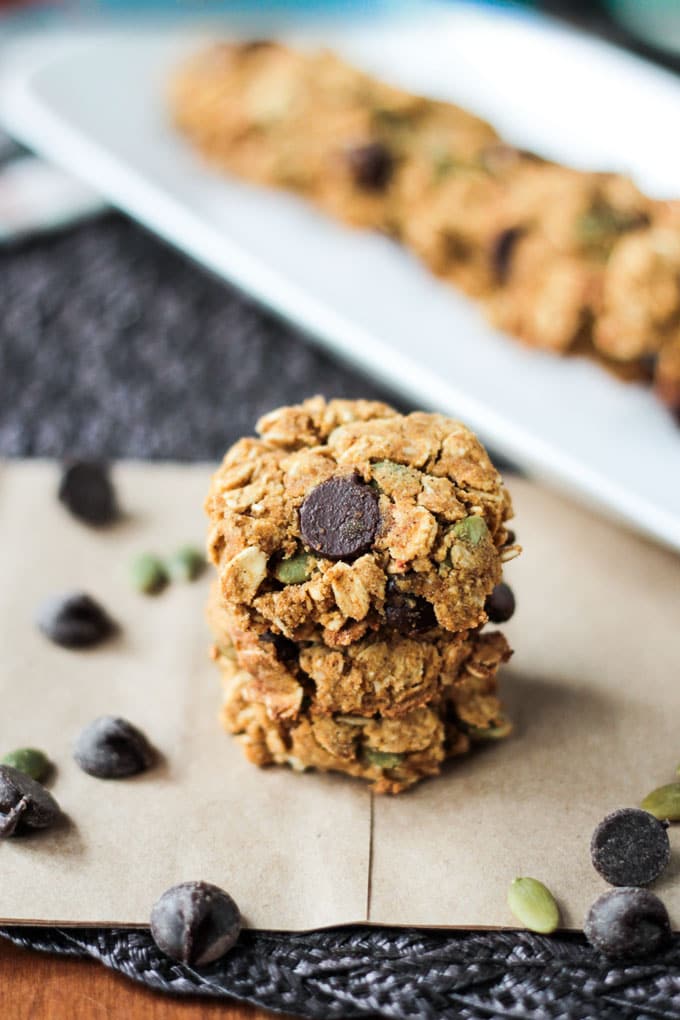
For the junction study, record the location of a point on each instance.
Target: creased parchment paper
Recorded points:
(594, 688)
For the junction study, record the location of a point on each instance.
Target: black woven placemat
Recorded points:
(111, 345)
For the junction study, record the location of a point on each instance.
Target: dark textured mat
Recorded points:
(113, 346)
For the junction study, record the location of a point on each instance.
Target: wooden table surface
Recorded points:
(40, 986)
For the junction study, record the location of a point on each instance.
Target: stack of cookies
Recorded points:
(359, 555)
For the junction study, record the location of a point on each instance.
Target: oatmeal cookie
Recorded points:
(384, 673)
(345, 517)
(314, 124)
(392, 754)
(568, 261)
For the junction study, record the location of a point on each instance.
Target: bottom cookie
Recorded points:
(392, 754)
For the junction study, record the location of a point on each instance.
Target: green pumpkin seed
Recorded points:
(471, 529)
(295, 570)
(498, 732)
(148, 574)
(533, 905)
(186, 564)
(664, 803)
(382, 759)
(29, 761)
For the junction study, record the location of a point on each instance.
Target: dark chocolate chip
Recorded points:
(630, 847)
(253, 45)
(86, 490)
(111, 748)
(502, 250)
(627, 923)
(339, 519)
(511, 537)
(74, 620)
(407, 613)
(500, 604)
(195, 923)
(648, 363)
(24, 803)
(285, 649)
(371, 165)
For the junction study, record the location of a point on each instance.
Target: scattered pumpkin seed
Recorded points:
(471, 529)
(295, 569)
(664, 803)
(186, 564)
(382, 759)
(148, 574)
(30, 761)
(534, 905)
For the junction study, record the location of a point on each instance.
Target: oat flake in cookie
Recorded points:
(358, 552)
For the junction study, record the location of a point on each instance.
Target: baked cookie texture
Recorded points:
(356, 551)
(568, 261)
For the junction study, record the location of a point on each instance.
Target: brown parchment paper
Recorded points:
(594, 689)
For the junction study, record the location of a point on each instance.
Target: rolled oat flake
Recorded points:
(24, 803)
(112, 748)
(195, 923)
(630, 847)
(627, 922)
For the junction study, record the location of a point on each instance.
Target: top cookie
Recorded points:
(346, 516)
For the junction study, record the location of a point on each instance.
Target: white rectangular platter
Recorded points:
(97, 107)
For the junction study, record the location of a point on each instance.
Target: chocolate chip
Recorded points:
(627, 923)
(74, 620)
(195, 923)
(111, 748)
(500, 604)
(86, 490)
(511, 537)
(285, 649)
(24, 803)
(371, 165)
(630, 847)
(648, 363)
(502, 250)
(340, 518)
(254, 45)
(405, 612)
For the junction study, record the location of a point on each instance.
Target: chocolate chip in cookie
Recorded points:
(502, 250)
(285, 649)
(500, 605)
(371, 165)
(339, 519)
(407, 613)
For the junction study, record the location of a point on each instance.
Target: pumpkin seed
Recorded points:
(148, 574)
(382, 759)
(664, 802)
(186, 564)
(295, 570)
(30, 761)
(534, 905)
(471, 529)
